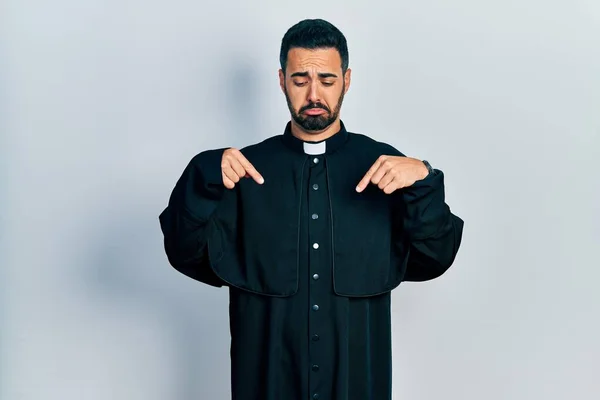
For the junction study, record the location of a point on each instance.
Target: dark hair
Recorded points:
(314, 34)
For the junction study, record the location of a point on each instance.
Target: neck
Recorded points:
(315, 136)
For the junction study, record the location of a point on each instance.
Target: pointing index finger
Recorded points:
(250, 170)
(365, 180)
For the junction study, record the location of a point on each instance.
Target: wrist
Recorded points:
(424, 169)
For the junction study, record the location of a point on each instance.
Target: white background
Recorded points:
(103, 103)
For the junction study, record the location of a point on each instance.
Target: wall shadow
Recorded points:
(125, 273)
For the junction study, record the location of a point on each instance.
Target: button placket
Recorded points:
(315, 229)
(315, 246)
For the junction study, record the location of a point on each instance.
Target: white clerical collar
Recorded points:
(315, 148)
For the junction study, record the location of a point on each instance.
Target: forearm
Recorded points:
(429, 258)
(185, 221)
(184, 239)
(434, 234)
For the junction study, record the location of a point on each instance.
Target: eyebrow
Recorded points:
(321, 74)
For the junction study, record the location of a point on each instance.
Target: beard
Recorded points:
(315, 123)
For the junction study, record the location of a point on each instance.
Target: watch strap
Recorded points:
(429, 167)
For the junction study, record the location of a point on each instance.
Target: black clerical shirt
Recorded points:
(309, 263)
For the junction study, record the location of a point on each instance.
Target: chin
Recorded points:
(313, 124)
(316, 129)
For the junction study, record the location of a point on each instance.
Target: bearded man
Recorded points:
(310, 231)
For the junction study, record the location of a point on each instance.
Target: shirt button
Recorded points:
(315, 307)
(315, 367)
(316, 160)
(316, 276)
(316, 396)
(315, 187)
(315, 216)
(316, 246)
(315, 338)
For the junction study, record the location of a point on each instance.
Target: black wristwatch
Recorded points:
(429, 167)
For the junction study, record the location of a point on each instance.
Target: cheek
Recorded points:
(296, 95)
(332, 98)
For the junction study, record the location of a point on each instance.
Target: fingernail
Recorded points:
(358, 188)
(262, 180)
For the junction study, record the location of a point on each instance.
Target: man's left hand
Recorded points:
(391, 173)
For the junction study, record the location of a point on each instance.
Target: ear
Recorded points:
(282, 80)
(347, 79)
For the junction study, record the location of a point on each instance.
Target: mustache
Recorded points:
(313, 106)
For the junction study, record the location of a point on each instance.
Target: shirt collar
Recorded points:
(332, 144)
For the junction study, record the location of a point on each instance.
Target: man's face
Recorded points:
(314, 87)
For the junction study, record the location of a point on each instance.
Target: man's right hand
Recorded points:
(234, 166)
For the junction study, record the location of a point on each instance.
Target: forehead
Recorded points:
(323, 60)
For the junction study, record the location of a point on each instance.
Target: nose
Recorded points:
(313, 94)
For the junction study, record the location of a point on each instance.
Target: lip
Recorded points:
(315, 111)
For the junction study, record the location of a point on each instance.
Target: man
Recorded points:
(310, 231)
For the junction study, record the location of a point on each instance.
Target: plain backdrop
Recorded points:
(103, 103)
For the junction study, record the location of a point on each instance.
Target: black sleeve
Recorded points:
(431, 230)
(185, 220)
